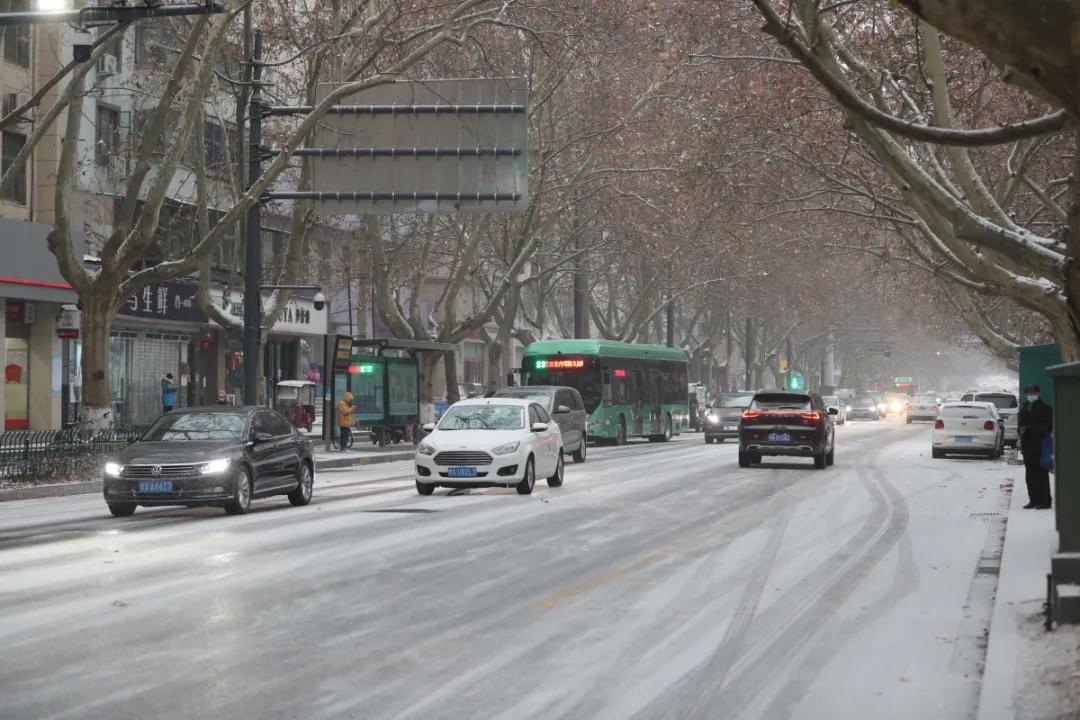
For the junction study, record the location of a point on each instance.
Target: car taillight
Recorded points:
(810, 418)
(988, 425)
(939, 425)
(751, 414)
(935, 408)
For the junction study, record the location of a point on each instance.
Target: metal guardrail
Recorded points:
(44, 456)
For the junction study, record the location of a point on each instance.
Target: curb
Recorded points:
(88, 487)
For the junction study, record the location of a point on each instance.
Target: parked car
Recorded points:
(968, 428)
(865, 407)
(565, 406)
(222, 456)
(490, 442)
(786, 423)
(723, 417)
(1008, 408)
(841, 408)
(922, 407)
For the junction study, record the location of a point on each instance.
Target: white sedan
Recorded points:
(968, 428)
(490, 442)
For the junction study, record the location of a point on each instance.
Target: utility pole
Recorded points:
(579, 286)
(253, 250)
(749, 353)
(670, 310)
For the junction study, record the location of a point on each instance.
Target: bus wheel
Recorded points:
(666, 437)
(620, 433)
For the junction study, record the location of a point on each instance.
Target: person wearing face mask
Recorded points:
(1035, 421)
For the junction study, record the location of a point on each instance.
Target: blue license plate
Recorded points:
(461, 472)
(779, 437)
(155, 486)
(963, 439)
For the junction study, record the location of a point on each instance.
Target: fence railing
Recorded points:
(43, 456)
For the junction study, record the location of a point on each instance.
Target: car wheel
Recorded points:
(744, 459)
(424, 488)
(305, 482)
(820, 460)
(122, 509)
(708, 440)
(937, 454)
(830, 457)
(620, 432)
(525, 487)
(241, 492)
(581, 452)
(909, 421)
(556, 480)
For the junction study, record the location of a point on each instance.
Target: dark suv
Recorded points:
(786, 423)
(565, 407)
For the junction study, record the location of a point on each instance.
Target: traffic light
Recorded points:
(795, 381)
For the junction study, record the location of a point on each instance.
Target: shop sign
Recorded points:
(68, 322)
(298, 317)
(171, 301)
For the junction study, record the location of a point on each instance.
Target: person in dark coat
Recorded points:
(1035, 421)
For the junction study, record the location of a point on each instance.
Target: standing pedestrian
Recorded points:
(344, 419)
(168, 392)
(1035, 422)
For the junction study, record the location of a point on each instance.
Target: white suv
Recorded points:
(1008, 408)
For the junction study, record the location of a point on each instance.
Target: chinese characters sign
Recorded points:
(164, 301)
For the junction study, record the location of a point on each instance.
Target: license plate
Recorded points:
(779, 437)
(964, 439)
(155, 486)
(461, 472)
(731, 428)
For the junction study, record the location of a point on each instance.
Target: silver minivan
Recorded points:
(566, 408)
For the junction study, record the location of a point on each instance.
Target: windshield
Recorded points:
(543, 399)
(733, 401)
(831, 400)
(781, 401)
(864, 402)
(182, 427)
(483, 417)
(1002, 401)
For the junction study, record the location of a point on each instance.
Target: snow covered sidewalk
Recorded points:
(1029, 672)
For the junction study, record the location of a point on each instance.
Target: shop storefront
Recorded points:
(32, 295)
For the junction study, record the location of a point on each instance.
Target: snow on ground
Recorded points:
(662, 581)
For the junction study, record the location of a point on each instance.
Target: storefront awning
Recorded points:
(30, 270)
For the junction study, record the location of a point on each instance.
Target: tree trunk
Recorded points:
(428, 363)
(450, 368)
(96, 407)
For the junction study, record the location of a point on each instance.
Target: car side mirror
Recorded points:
(428, 427)
(539, 427)
(833, 410)
(561, 409)
(261, 437)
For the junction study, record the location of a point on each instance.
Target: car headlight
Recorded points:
(506, 448)
(714, 418)
(425, 449)
(847, 408)
(113, 469)
(214, 466)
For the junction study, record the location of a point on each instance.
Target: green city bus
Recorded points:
(629, 390)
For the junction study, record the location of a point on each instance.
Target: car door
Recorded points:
(566, 420)
(541, 442)
(581, 418)
(262, 453)
(286, 450)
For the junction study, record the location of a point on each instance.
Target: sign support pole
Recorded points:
(253, 250)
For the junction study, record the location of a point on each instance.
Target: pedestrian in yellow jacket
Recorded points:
(344, 419)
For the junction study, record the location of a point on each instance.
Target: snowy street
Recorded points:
(661, 581)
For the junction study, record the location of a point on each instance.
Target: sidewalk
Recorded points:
(1029, 672)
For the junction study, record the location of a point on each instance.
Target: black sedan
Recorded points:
(786, 423)
(212, 456)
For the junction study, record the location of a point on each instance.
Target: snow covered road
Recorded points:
(660, 582)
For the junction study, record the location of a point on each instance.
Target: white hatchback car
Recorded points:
(968, 428)
(490, 442)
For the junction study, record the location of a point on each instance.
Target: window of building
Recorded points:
(153, 41)
(474, 362)
(17, 38)
(215, 138)
(12, 145)
(107, 142)
(115, 46)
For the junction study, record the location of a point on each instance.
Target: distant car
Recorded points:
(841, 408)
(1008, 408)
(221, 456)
(565, 406)
(787, 423)
(864, 407)
(922, 407)
(723, 417)
(896, 404)
(490, 442)
(970, 428)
